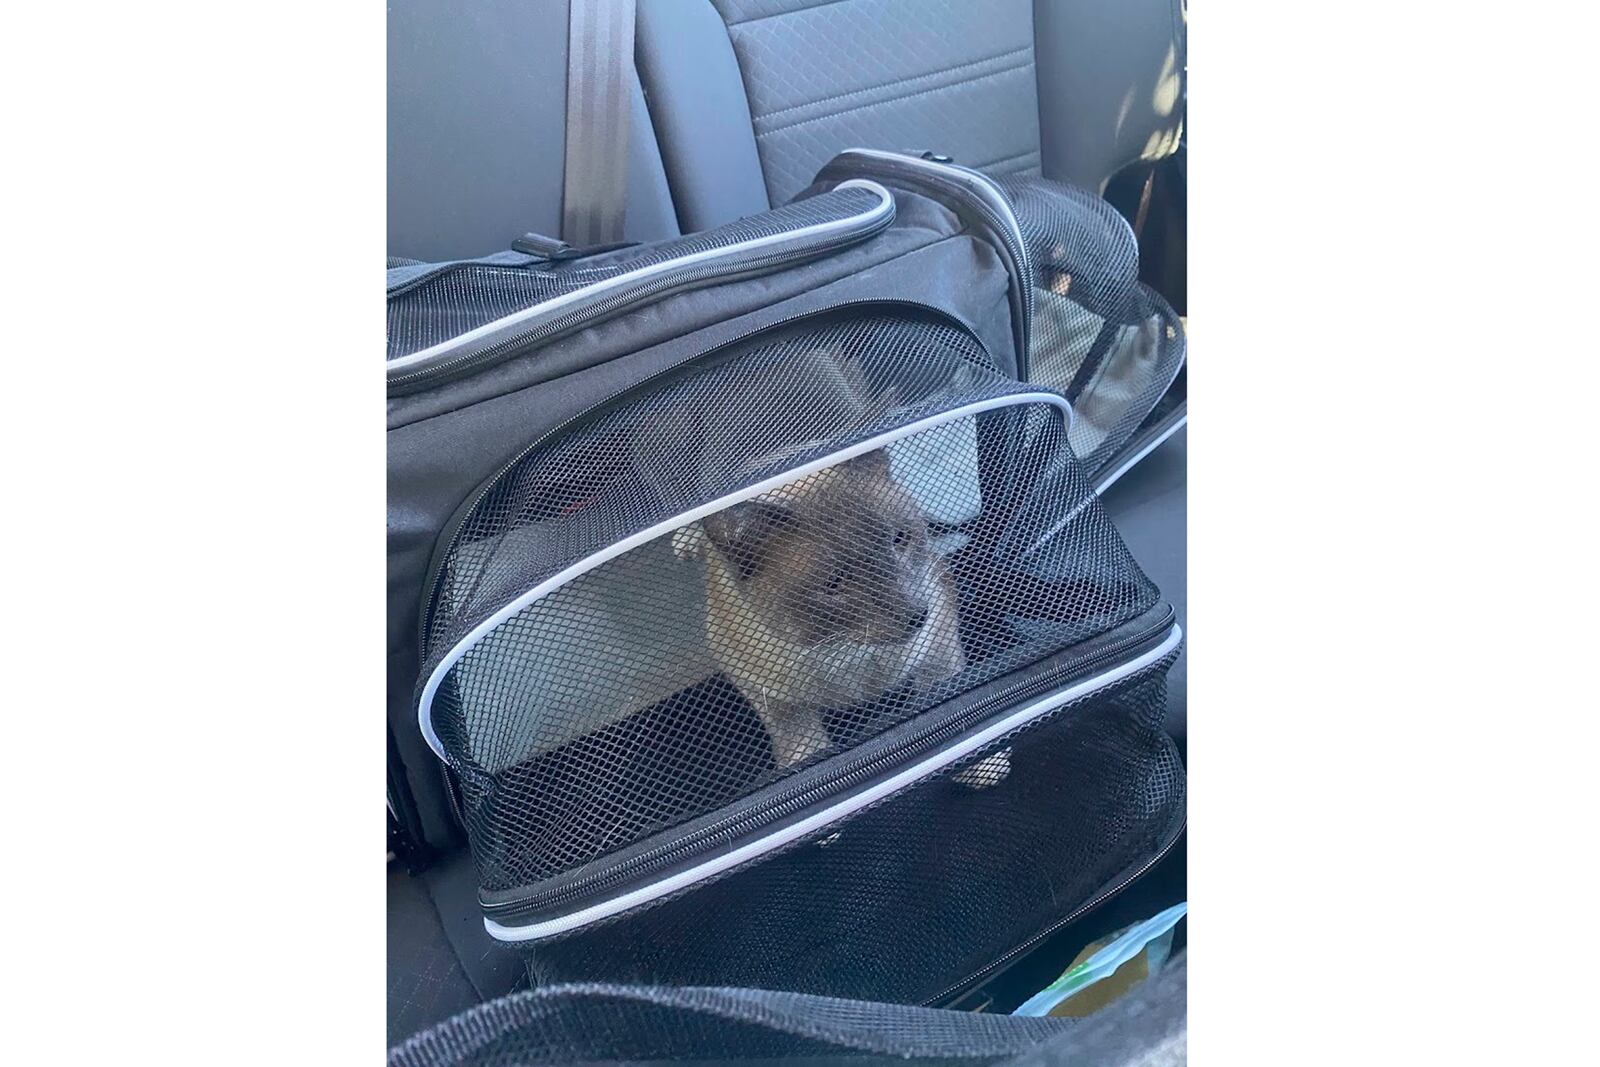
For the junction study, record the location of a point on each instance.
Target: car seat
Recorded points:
(751, 97)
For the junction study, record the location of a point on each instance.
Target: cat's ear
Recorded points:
(741, 532)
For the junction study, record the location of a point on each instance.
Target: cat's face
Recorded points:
(841, 555)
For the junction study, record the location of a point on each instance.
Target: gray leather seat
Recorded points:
(477, 130)
(739, 102)
(751, 97)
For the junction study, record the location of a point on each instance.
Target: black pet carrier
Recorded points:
(761, 608)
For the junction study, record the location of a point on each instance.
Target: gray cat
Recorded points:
(826, 591)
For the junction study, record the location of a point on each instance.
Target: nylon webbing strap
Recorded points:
(599, 56)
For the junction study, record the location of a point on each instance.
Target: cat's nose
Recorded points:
(917, 622)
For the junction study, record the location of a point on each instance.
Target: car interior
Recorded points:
(733, 107)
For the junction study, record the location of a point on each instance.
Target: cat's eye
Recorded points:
(902, 538)
(835, 581)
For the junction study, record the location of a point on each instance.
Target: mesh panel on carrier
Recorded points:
(1108, 342)
(750, 586)
(655, 678)
(921, 894)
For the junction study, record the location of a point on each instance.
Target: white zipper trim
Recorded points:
(849, 805)
(1106, 482)
(666, 526)
(588, 292)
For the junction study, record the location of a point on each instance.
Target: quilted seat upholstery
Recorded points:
(750, 97)
(886, 73)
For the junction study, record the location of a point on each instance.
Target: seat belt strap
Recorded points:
(599, 57)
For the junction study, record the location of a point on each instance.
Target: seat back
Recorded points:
(736, 103)
(751, 97)
(477, 130)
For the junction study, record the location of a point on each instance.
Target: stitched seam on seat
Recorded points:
(791, 11)
(894, 99)
(897, 81)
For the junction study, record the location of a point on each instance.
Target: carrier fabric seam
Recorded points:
(618, 282)
(896, 99)
(908, 79)
(821, 820)
(712, 324)
(666, 526)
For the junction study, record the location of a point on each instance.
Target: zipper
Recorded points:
(452, 794)
(859, 771)
(477, 348)
(452, 530)
(1071, 917)
(988, 201)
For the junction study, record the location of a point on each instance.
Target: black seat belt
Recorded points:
(599, 57)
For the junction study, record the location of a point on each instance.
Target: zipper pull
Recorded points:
(557, 251)
(537, 244)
